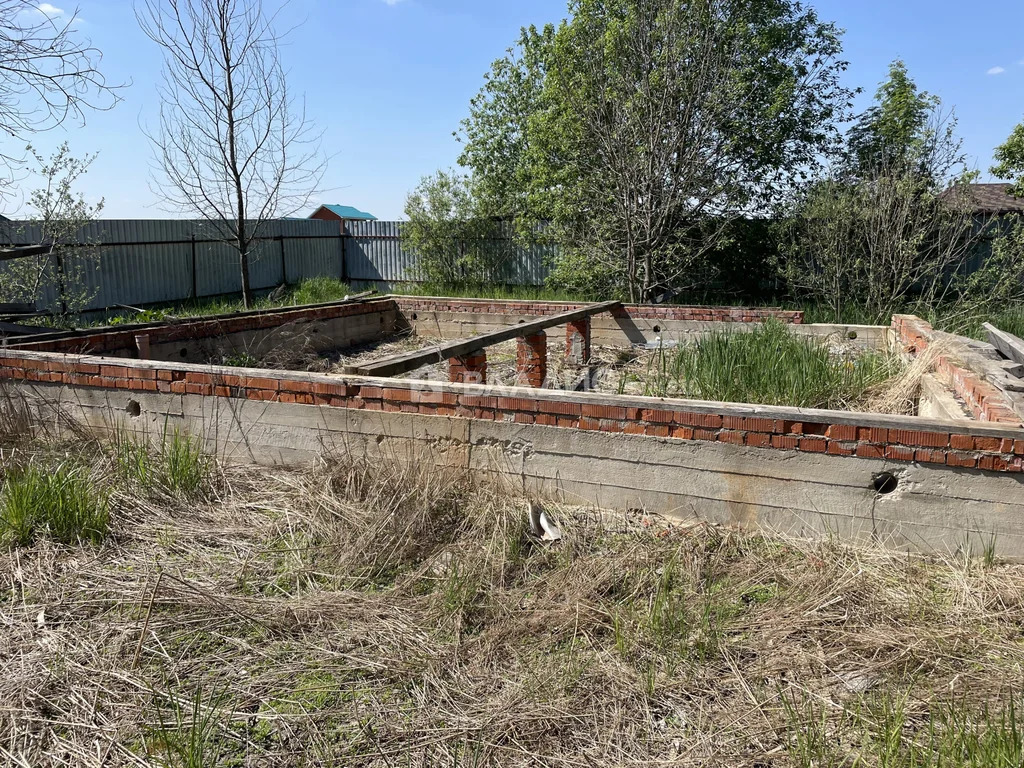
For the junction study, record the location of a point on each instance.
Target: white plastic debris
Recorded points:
(541, 525)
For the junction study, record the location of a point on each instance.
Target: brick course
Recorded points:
(410, 304)
(985, 402)
(814, 432)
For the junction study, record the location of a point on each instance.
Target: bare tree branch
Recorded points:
(233, 146)
(49, 76)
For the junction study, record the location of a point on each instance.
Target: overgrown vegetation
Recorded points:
(770, 365)
(314, 290)
(370, 613)
(60, 279)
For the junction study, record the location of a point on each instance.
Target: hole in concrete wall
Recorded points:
(521, 322)
(852, 335)
(657, 329)
(183, 353)
(415, 316)
(885, 483)
(133, 409)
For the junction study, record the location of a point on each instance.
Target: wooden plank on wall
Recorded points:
(399, 364)
(1011, 346)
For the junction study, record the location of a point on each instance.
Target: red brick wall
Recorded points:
(117, 340)
(324, 214)
(639, 311)
(996, 449)
(982, 399)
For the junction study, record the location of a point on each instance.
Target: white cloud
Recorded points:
(48, 9)
(391, 2)
(995, 71)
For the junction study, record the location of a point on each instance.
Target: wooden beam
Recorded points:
(17, 309)
(10, 253)
(12, 329)
(1011, 346)
(399, 364)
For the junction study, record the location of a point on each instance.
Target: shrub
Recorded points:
(61, 503)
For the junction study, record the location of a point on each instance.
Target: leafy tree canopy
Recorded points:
(1010, 160)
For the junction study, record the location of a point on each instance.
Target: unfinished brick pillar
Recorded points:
(142, 345)
(577, 342)
(532, 360)
(468, 369)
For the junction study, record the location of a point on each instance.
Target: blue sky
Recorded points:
(389, 80)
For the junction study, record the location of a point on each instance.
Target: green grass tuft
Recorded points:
(882, 732)
(181, 467)
(769, 365)
(61, 503)
(190, 730)
(185, 467)
(319, 290)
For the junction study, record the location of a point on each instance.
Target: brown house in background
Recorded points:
(989, 200)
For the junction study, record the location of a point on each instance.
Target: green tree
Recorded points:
(895, 127)
(455, 241)
(891, 229)
(905, 128)
(58, 215)
(1010, 160)
(654, 118)
(496, 135)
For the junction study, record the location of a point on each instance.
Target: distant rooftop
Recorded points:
(991, 199)
(343, 212)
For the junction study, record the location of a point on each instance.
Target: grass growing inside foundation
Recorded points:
(769, 365)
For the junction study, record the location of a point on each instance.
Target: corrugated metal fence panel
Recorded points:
(150, 261)
(312, 252)
(373, 251)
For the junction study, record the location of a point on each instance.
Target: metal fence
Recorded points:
(153, 261)
(374, 253)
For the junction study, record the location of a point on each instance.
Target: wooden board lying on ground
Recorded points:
(1011, 346)
(410, 361)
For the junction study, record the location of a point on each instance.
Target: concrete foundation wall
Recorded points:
(954, 483)
(634, 324)
(317, 328)
(934, 509)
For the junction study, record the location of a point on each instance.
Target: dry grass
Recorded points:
(901, 393)
(374, 614)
